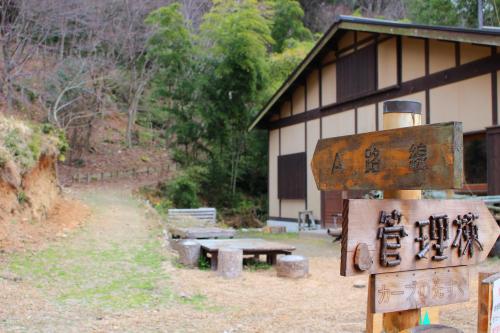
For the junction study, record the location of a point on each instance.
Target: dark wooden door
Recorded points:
(493, 159)
(332, 205)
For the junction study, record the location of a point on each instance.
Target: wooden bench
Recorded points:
(204, 214)
(248, 246)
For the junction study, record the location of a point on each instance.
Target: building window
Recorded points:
(356, 74)
(475, 158)
(292, 176)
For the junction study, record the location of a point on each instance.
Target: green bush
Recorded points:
(145, 137)
(20, 150)
(22, 198)
(24, 143)
(163, 206)
(183, 191)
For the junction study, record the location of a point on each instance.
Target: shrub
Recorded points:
(203, 263)
(183, 191)
(24, 143)
(22, 198)
(163, 206)
(145, 137)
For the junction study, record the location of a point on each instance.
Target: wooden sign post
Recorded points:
(416, 251)
(409, 318)
(488, 312)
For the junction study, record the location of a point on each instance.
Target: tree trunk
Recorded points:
(7, 83)
(132, 112)
(130, 124)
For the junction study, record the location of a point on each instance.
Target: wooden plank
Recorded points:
(200, 233)
(400, 320)
(374, 323)
(419, 157)
(416, 289)
(250, 244)
(361, 225)
(294, 167)
(493, 159)
(486, 301)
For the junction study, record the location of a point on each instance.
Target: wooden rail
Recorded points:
(87, 178)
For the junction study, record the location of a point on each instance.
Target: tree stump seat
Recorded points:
(189, 252)
(229, 262)
(293, 266)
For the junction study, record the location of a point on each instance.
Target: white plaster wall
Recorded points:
(313, 195)
(286, 109)
(441, 55)
(338, 124)
(366, 119)
(298, 99)
(274, 204)
(293, 139)
(470, 52)
(329, 84)
(413, 58)
(467, 101)
(313, 90)
(291, 208)
(387, 63)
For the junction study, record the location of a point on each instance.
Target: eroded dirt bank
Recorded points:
(32, 207)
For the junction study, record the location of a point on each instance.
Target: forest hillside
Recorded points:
(148, 83)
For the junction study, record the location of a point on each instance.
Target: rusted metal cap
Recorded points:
(402, 107)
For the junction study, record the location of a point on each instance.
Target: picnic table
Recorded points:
(201, 233)
(249, 246)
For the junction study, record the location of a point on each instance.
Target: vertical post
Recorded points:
(485, 301)
(397, 114)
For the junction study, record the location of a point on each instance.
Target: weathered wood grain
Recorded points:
(246, 244)
(362, 258)
(340, 163)
(416, 289)
(485, 300)
(361, 223)
(201, 233)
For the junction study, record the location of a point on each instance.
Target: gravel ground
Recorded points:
(116, 275)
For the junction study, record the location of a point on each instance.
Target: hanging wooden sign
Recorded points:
(420, 157)
(417, 289)
(381, 236)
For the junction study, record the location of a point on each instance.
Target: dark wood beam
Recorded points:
(464, 72)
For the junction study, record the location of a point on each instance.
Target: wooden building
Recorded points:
(340, 87)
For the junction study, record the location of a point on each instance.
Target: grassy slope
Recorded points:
(116, 262)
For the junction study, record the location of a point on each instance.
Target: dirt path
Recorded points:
(115, 275)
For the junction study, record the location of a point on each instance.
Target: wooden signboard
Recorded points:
(420, 157)
(381, 236)
(418, 289)
(495, 307)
